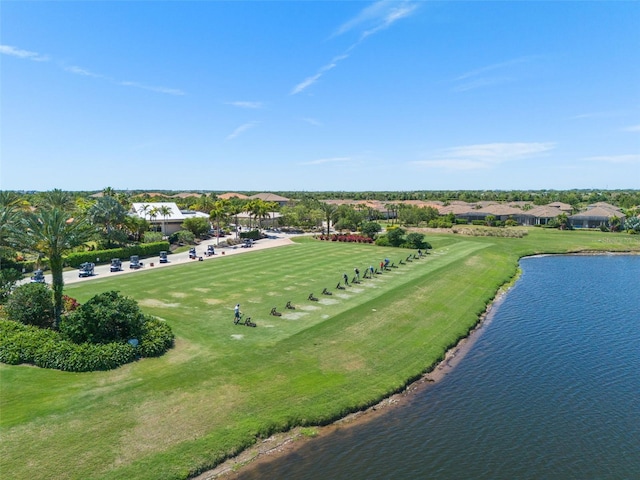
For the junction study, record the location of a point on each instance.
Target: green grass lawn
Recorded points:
(223, 385)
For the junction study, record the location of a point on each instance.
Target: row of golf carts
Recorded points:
(87, 269)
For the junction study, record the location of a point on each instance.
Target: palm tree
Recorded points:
(218, 212)
(110, 215)
(165, 211)
(329, 210)
(153, 213)
(235, 207)
(9, 209)
(52, 232)
(144, 210)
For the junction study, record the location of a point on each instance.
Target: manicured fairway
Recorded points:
(224, 385)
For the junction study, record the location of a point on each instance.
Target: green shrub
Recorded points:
(382, 241)
(152, 237)
(49, 349)
(107, 317)
(155, 339)
(183, 236)
(31, 304)
(252, 234)
(8, 279)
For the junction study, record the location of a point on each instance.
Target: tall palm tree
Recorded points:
(9, 210)
(217, 213)
(329, 210)
(235, 207)
(164, 211)
(52, 232)
(153, 214)
(110, 215)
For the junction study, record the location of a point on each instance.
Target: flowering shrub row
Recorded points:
(346, 238)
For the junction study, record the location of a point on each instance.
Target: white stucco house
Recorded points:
(166, 216)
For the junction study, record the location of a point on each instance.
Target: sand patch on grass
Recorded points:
(213, 301)
(237, 336)
(309, 307)
(202, 290)
(343, 295)
(154, 302)
(177, 294)
(328, 301)
(294, 316)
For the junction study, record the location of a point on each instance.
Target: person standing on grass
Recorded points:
(237, 312)
(346, 279)
(357, 272)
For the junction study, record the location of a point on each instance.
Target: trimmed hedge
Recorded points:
(252, 234)
(48, 349)
(105, 256)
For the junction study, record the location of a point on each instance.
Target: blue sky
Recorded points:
(326, 95)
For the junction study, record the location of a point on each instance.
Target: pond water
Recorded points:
(550, 390)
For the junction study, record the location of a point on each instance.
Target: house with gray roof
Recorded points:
(595, 217)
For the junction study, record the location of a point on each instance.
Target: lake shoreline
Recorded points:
(284, 443)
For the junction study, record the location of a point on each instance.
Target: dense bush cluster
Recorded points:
(105, 256)
(31, 304)
(346, 238)
(93, 336)
(107, 317)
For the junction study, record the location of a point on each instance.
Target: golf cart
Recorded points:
(86, 269)
(163, 257)
(38, 277)
(116, 265)
(210, 251)
(134, 262)
(192, 253)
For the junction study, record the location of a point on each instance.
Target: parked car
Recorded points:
(134, 262)
(163, 257)
(86, 269)
(38, 277)
(116, 265)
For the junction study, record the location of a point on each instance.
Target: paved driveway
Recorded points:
(274, 240)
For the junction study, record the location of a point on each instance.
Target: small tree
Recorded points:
(416, 240)
(196, 225)
(370, 229)
(107, 317)
(8, 279)
(31, 304)
(395, 236)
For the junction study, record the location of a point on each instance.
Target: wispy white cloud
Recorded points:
(241, 129)
(379, 16)
(376, 17)
(490, 75)
(25, 54)
(590, 115)
(482, 156)
(245, 104)
(633, 128)
(322, 161)
(82, 71)
(168, 91)
(17, 52)
(616, 159)
(312, 121)
(307, 82)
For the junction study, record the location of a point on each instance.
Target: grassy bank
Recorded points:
(224, 385)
